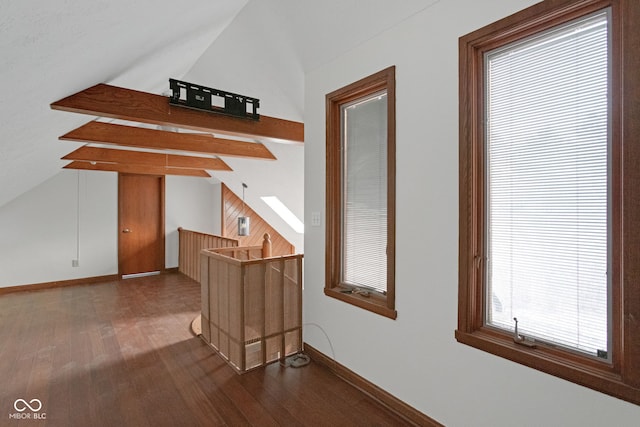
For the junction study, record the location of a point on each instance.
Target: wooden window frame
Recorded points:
(383, 304)
(619, 377)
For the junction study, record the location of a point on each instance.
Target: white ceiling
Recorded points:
(261, 48)
(52, 49)
(322, 30)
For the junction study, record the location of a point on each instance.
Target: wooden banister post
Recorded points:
(266, 246)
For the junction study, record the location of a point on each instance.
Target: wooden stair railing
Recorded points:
(190, 245)
(251, 301)
(251, 306)
(192, 242)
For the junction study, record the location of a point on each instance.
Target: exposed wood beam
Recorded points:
(111, 101)
(109, 133)
(108, 155)
(139, 169)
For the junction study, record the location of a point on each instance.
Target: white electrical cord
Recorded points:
(299, 360)
(78, 218)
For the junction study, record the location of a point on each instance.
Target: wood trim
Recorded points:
(411, 415)
(59, 284)
(382, 80)
(119, 103)
(621, 377)
(630, 218)
(131, 136)
(190, 244)
(137, 169)
(374, 302)
(279, 257)
(232, 209)
(108, 155)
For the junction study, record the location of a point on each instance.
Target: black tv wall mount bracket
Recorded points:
(198, 97)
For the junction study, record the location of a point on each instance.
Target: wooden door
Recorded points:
(140, 224)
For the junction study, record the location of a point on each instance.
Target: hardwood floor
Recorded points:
(121, 354)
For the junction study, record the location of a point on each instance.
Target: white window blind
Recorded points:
(547, 189)
(364, 183)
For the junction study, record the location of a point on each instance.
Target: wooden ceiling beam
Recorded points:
(119, 103)
(109, 133)
(107, 155)
(137, 169)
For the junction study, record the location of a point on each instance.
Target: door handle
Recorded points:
(126, 230)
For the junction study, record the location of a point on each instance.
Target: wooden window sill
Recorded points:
(374, 303)
(598, 375)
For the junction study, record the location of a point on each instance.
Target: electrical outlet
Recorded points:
(75, 263)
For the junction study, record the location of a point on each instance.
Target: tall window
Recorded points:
(546, 202)
(361, 193)
(543, 140)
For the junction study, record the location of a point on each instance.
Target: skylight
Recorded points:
(284, 212)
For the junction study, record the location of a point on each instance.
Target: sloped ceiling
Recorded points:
(323, 30)
(265, 53)
(261, 48)
(52, 49)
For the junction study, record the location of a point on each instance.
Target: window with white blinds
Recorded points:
(547, 191)
(360, 193)
(364, 184)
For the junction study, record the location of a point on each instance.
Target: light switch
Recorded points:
(316, 219)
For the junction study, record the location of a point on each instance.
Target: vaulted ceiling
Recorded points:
(260, 48)
(51, 50)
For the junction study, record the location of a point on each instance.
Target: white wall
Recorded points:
(254, 56)
(193, 204)
(283, 178)
(416, 357)
(38, 230)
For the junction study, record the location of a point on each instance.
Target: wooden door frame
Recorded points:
(162, 233)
